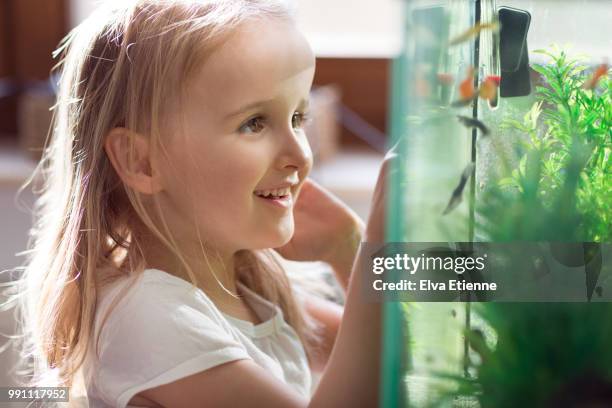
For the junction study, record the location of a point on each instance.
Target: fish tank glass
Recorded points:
(501, 116)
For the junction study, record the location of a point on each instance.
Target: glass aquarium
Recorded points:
(502, 117)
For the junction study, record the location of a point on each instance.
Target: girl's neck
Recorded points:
(215, 273)
(227, 298)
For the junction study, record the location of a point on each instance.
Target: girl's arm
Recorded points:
(350, 378)
(329, 314)
(344, 254)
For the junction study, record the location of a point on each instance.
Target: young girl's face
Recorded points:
(238, 131)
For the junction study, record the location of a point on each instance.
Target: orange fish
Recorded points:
(466, 89)
(599, 73)
(488, 89)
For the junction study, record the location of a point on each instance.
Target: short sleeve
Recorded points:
(158, 334)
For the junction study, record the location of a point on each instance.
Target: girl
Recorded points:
(177, 162)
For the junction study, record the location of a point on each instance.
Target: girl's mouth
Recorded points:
(283, 201)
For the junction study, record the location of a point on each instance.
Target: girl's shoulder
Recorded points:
(154, 328)
(152, 304)
(153, 297)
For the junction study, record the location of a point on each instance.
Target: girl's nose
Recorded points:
(295, 150)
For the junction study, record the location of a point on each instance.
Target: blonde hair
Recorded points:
(86, 220)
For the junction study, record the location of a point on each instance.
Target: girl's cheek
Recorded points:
(234, 175)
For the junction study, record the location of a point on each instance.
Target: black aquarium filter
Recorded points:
(513, 52)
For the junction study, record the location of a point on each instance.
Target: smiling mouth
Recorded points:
(273, 197)
(272, 194)
(284, 201)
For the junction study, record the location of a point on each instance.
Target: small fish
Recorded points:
(495, 78)
(467, 93)
(488, 90)
(474, 123)
(599, 73)
(445, 79)
(474, 31)
(466, 87)
(457, 195)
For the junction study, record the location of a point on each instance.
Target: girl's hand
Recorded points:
(375, 230)
(326, 229)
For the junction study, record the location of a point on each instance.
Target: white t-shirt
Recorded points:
(165, 329)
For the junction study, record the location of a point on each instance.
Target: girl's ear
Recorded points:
(135, 171)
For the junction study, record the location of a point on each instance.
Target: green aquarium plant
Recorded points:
(559, 189)
(544, 355)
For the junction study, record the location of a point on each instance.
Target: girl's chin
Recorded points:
(274, 239)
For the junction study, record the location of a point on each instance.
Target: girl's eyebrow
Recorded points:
(304, 102)
(248, 107)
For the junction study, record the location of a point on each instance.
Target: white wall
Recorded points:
(79, 9)
(355, 28)
(373, 27)
(580, 26)
(365, 28)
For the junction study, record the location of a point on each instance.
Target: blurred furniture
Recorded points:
(364, 86)
(34, 118)
(29, 31)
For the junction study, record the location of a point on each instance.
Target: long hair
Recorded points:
(120, 67)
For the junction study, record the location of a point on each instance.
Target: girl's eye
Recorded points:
(298, 120)
(254, 125)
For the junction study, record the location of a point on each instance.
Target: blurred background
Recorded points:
(354, 40)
